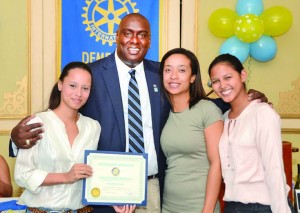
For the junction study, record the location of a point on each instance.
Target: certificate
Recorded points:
(119, 178)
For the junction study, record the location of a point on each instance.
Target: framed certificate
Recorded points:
(119, 178)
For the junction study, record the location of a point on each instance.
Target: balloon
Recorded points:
(248, 28)
(244, 7)
(221, 22)
(277, 20)
(235, 47)
(264, 49)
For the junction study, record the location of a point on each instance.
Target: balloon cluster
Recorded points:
(250, 30)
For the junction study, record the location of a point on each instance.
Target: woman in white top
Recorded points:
(52, 171)
(250, 147)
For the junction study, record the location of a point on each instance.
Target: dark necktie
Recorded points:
(135, 125)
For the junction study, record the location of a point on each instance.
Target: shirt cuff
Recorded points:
(35, 181)
(14, 148)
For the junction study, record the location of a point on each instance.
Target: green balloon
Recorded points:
(221, 22)
(277, 20)
(248, 28)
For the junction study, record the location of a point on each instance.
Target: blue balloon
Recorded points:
(264, 49)
(235, 47)
(255, 7)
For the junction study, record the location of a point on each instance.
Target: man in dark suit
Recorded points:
(108, 98)
(108, 104)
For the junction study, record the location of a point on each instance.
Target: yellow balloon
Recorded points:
(221, 22)
(277, 20)
(248, 28)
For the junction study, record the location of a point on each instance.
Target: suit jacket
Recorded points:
(105, 105)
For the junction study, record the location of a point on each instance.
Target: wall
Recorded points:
(28, 64)
(14, 76)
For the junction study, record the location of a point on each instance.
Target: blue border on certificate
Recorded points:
(143, 203)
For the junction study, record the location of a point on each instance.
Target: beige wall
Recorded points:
(28, 63)
(29, 60)
(15, 75)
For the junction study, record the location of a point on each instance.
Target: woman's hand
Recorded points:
(78, 172)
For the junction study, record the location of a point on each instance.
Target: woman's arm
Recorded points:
(5, 182)
(269, 143)
(212, 137)
(77, 172)
(28, 175)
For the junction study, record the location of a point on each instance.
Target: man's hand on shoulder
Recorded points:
(25, 136)
(254, 95)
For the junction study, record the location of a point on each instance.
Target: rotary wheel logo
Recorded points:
(102, 17)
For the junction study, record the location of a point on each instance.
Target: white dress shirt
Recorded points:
(124, 77)
(54, 154)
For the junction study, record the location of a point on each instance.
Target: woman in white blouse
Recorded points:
(52, 171)
(250, 147)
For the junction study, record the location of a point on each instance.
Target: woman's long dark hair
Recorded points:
(55, 96)
(197, 91)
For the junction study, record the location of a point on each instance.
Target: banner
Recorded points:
(88, 27)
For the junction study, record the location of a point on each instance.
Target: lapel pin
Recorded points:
(155, 88)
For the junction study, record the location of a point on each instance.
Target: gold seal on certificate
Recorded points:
(119, 178)
(95, 192)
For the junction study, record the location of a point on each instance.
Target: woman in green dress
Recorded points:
(190, 138)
